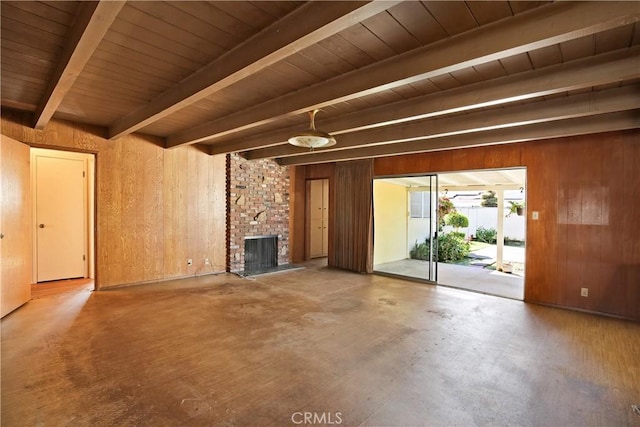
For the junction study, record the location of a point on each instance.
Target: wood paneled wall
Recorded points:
(350, 204)
(155, 208)
(587, 192)
(298, 176)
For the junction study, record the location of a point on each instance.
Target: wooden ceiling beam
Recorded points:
(92, 21)
(305, 26)
(593, 71)
(538, 28)
(582, 105)
(262, 140)
(562, 128)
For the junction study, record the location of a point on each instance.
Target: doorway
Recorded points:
(63, 194)
(405, 216)
(317, 206)
(461, 229)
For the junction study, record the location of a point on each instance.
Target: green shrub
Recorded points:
(420, 251)
(451, 247)
(458, 234)
(487, 235)
(489, 200)
(457, 220)
(445, 207)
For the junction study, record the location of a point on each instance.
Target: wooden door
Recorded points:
(15, 248)
(61, 214)
(318, 218)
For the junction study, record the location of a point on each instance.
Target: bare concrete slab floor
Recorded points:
(379, 351)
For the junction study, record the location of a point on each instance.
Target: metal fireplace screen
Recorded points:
(260, 253)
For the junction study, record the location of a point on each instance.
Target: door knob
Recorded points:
(1, 236)
(41, 226)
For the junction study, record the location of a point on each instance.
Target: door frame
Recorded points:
(433, 224)
(488, 187)
(434, 218)
(307, 215)
(438, 190)
(89, 205)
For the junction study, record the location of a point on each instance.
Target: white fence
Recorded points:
(514, 225)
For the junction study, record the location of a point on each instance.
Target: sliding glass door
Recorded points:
(405, 226)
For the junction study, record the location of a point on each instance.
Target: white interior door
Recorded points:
(61, 218)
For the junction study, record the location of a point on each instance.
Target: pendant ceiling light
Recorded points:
(312, 138)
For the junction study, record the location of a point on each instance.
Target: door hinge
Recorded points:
(84, 257)
(83, 175)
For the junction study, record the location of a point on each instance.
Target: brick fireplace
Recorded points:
(258, 205)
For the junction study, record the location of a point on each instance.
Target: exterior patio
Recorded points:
(474, 278)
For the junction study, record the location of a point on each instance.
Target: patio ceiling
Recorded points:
(506, 179)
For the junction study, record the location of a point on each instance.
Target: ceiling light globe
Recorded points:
(312, 139)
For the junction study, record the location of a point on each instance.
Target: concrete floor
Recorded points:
(472, 278)
(510, 253)
(364, 349)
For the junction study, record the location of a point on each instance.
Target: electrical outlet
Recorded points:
(584, 292)
(206, 261)
(189, 261)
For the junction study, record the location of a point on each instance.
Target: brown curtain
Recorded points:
(353, 217)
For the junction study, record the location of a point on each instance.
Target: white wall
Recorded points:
(418, 231)
(390, 208)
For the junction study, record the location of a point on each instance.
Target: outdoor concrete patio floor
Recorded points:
(473, 278)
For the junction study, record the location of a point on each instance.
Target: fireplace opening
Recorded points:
(260, 253)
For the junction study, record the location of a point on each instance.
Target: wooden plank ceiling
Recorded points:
(389, 77)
